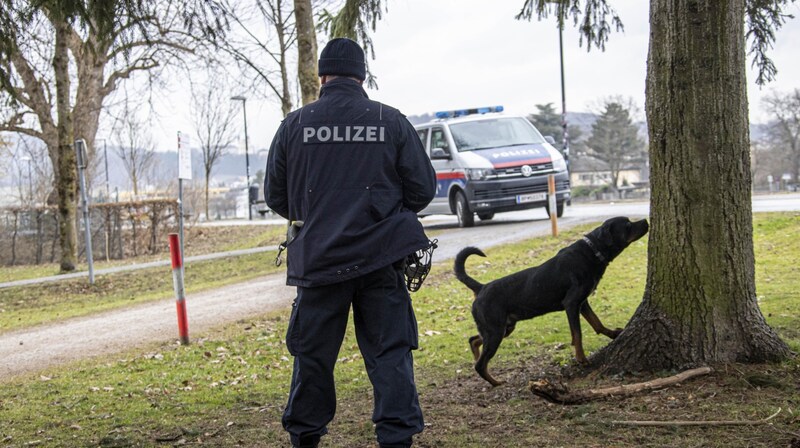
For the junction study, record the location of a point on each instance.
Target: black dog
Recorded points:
(563, 282)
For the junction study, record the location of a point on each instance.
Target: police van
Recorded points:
(487, 162)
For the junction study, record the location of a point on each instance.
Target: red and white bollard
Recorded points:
(177, 283)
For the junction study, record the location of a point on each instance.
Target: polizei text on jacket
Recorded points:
(344, 133)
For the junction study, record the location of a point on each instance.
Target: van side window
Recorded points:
(423, 136)
(439, 139)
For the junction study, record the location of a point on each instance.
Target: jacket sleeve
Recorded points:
(415, 169)
(275, 186)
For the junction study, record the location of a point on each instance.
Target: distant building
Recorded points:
(588, 171)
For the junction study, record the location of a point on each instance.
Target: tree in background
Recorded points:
(41, 173)
(699, 303)
(783, 131)
(213, 116)
(548, 122)
(5, 157)
(615, 140)
(356, 20)
(59, 61)
(264, 55)
(134, 146)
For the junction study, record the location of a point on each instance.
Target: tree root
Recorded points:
(559, 393)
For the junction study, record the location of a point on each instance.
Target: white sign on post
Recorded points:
(184, 157)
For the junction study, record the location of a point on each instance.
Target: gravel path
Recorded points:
(40, 347)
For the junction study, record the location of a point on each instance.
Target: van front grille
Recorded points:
(514, 191)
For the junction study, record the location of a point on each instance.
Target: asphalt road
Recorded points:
(37, 348)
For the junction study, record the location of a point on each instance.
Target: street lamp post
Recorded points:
(565, 140)
(30, 177)
(105, 156)
(108, 199)
(246, 153)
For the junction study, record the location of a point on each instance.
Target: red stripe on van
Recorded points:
(452, 175)
(522, 162)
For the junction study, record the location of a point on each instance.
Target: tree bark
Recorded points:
(699, 305)
(65, 164)
(91, 62)
(307, 72)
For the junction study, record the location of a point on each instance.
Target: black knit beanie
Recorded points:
(342, 57)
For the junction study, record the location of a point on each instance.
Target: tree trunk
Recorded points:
(88, 97)
(699, 304)
(307, 72)
(65, 166)
(280, 31)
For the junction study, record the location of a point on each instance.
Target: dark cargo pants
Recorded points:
(386, 331)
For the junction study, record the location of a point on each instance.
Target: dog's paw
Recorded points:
(582, 361)
(614, 333)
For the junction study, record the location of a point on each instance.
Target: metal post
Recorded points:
(246, 154)
(184, 172)
(80, 150)
(247, 162)
(180, 213)
(565, 140)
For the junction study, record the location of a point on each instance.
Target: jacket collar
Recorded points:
(345, 86)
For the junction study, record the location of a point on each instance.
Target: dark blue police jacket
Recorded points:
(355, 172)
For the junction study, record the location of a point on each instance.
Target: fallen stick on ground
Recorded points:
(559, 393)
(695, 423)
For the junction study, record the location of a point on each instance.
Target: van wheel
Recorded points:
(559, 209)
(486, 216)
(464, 214)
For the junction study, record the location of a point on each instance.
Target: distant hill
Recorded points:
(229, 169)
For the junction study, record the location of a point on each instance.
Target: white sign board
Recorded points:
(184, 157)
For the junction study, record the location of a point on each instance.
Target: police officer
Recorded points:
(353, 173)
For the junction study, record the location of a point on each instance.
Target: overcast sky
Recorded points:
(446, 54)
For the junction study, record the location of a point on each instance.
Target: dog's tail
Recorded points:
(461, 273)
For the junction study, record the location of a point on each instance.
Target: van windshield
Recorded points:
(494, 133)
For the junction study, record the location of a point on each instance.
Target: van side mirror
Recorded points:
(439, 154)
(550, 139)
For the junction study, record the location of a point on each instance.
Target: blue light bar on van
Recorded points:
(465, 112)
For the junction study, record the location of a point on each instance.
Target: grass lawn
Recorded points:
(228, 388)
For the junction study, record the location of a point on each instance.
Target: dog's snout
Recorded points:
(638, 229)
